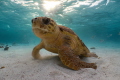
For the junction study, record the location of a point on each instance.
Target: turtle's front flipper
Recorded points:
(73, 61)
(35, 52)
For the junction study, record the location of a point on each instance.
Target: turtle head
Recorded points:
(43, 25)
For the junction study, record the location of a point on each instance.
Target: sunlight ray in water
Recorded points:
(36, 3)
(107, 2)
(22, 2)
(96, 3)
(50, 5)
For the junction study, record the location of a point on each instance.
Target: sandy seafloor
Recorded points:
(18, 64)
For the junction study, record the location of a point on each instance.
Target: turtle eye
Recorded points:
(46, 20)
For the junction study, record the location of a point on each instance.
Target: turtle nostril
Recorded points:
(34, 20)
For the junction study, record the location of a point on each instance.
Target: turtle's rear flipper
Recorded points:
(92, 54)
(73, 61)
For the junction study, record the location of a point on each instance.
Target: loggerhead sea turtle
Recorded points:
(62, 40)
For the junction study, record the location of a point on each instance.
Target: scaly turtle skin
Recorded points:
(62, 40)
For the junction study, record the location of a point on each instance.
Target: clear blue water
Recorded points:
(96, 22)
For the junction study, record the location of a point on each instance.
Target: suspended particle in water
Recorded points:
(101, 40)
(93, 37)
(109, 35)
(119, 33)
(8, 26)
